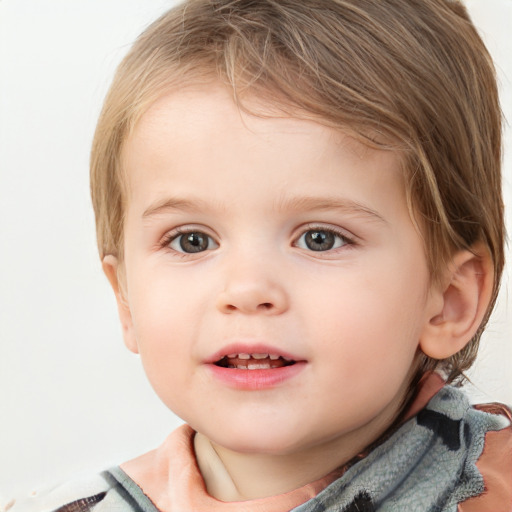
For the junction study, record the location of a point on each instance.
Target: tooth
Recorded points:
(231, 356)
(258, 366)
(244, 356)
(259, 356)
(274, 357)
(286, 359)
(241, 366)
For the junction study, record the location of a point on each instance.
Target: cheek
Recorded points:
(163, 325)
(161, 301)
(376, 319)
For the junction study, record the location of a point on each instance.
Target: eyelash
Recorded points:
(347, 241)
(342, 235)
(168, 238)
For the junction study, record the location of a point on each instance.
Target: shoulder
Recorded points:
(494, 464)
(106, 491)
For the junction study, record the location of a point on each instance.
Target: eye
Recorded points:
(322, 240)
(192, 242)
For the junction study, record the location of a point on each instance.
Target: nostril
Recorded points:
(264, 306)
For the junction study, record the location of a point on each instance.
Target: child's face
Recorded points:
(282, 237)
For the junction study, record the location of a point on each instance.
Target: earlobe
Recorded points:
(461, 303)
(111, 269)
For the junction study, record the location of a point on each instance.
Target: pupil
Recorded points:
(194, 242)
(320, 240)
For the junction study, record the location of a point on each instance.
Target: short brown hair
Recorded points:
(413, 73)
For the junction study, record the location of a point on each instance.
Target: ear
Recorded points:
(459, 303)
(112, 270)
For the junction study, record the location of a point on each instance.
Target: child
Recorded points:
(298, 208)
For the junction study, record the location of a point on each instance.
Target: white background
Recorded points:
(72, 398)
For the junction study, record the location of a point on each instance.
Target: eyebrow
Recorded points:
(344, 205)
(299, 204)
(175, 203)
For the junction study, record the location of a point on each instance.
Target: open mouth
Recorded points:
(254, 361)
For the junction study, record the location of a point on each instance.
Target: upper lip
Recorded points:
(251, 348)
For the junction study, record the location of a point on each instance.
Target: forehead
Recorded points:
(181, 116)
(197, 141)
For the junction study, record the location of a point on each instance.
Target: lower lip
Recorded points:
(252, 380)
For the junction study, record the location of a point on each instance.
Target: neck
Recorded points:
(233, 476)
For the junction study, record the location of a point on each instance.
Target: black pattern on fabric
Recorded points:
(82, 505)
(362, 503)
(445, 428)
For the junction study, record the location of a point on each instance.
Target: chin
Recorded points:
(264, 441)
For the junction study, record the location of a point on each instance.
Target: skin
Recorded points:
(355, 315)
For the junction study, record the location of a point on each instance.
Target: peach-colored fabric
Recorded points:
(495, 464)
(428, 386)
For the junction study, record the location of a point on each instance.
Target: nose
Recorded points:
(251, 291)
